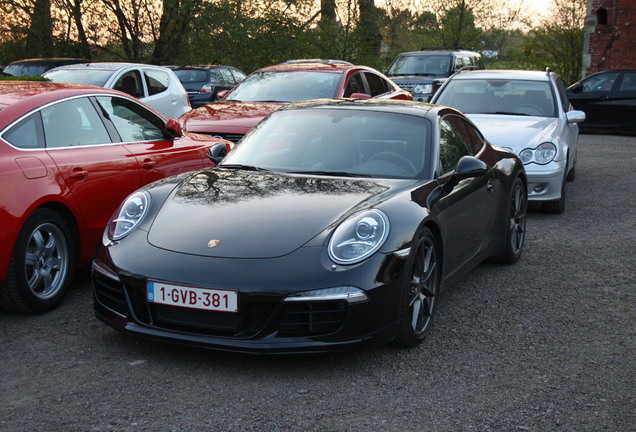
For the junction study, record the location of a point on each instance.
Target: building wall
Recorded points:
(610, 35)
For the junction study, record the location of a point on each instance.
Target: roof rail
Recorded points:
(446, 48)
(327, 61)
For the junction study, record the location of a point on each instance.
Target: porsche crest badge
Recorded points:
(213, 243)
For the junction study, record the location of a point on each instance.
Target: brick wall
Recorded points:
(610, 38)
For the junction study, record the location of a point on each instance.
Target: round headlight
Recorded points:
(545, 153)
(526, 156)
(358, 237)
(129, 215)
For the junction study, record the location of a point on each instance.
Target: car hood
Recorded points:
(227, 117)
(255, 214)
(515, 132)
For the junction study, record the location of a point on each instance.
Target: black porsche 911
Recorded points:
(333, 225)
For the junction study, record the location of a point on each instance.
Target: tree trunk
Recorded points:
(39, 41)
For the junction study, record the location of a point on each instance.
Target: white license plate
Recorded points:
(194, 298)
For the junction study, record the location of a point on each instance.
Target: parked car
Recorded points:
(69, 154)
(156, 86)
(38, 66)
(423, 72)
(270, 88)
(528, 113)
(608, 99)
(204, 82)
(332, 226)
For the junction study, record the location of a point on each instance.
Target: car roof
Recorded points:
(18, 97)
(47, 60)
(106, 66)
(503, 74)
(337, 67)
(444, 51)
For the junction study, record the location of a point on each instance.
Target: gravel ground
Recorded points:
(548, 344)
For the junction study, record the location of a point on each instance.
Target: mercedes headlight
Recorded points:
(130, 213)
(358, 237)
(541, 155)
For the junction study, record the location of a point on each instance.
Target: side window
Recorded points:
(27, 133)
(73, 123)
(354, 85)
(474, 137)
(157, 81)
(377, 85)
(458, 63)
(629, 82)
(238, 75)
(452, 143)
(226, 76)
(132, 122)
(130, 83)
(601, 82)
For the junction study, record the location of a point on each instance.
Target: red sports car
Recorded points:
(269, 88)
(69, 155)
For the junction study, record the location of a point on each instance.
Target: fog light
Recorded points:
(539, 188)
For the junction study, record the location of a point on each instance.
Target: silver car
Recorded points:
(528, 113)
(156, 86)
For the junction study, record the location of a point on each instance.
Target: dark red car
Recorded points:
(69, 155)
(269, 88)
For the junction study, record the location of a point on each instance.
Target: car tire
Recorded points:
(515, 224)
(41, 266)
(420, 289)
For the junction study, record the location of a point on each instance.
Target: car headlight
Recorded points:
(358, 237)
(423, 89)
(130, 213)
(543, 154)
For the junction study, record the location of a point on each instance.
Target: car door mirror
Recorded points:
(575, 116)
(221, 95)
(173, 128)
(468, 167)
(576, 88)
(217, 152)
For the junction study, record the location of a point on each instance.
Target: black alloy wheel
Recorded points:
(420, 290)
(515, 235)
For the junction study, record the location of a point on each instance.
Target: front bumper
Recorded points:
(545, 181)
(266, 323)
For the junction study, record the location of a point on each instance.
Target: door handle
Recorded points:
(148, 164)
(490, 185)
(78, 174)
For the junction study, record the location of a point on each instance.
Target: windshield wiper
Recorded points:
(330, 173)
(509, 113)
(242, 167)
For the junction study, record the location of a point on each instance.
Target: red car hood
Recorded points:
(226, 117)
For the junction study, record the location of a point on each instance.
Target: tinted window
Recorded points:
(192, 75)
(26, 133)
(156, 80)
(73, 123)
(130, 83)
(600, 82)
(354, 85)
(377, 85)
(629, 82)
(452, 143)
(133, 123)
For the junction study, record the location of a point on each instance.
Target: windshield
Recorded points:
(339, 142)
(421, 65)
(499, 96)
(291, 86)
(83, 76)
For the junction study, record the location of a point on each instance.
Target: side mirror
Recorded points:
(218, 151)
(576, 88)
(173, 128)
(359, 96)
(575, 116)
(468, 167)
(221, 94)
